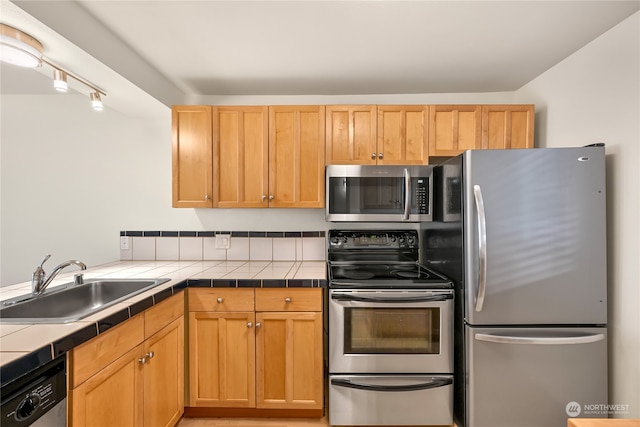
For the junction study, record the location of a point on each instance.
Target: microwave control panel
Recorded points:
(422, 195)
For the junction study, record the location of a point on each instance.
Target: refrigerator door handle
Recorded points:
(407, 195)
(502, 339)
(482, 247)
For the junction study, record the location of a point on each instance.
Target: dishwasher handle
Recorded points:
(435, 383)
(503, 339)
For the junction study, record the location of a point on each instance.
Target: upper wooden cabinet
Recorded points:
(240, 156)
(192, 157)
(382, 135)
(507, 126)
(402, 135)
(454, 129)
(296, 156)
(351, 135)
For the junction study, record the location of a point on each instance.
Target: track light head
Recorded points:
(96, 101)
(60, 80)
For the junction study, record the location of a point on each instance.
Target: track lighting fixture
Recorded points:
(60, 80)
(19, 48)
(96, 101)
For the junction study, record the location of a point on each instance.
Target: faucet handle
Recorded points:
(44, 260)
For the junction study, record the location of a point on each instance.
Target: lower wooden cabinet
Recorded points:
(125, 377)
(268, 357)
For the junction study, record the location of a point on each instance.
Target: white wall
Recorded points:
(594, 96)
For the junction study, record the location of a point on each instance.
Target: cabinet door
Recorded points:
(164, 376)
(240, 151)
(222, 359)
(454, 129)
(191, 157)
(296, 156)
(402, 134)
(351, 134)
(507, 126)
(112, 397)
(289, 373)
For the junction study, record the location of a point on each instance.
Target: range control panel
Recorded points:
(372, 240)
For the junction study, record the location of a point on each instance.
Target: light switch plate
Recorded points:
(223, 241)
(124, 243)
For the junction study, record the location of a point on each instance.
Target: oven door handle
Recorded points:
(439, 382)
(424, 298)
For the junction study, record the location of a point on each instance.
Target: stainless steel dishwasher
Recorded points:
(37, 398)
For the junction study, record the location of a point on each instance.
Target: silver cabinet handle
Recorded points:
(258, 324)
(502, 339)
(287, 300)
(264, 197)
(150, 355)
(380, 156)
(219, 300)
(482, 247)
(271, 197)
(142, 360)
(207, 197)
(249, 324)
(373, 156)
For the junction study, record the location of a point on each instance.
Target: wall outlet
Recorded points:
(223, 241)
(124, 243)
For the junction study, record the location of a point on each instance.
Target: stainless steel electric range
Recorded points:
(390, 332)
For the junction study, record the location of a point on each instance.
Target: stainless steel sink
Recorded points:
(72, 302)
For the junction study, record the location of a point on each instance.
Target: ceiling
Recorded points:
(178, 50)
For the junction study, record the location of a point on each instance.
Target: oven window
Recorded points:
(392, 330)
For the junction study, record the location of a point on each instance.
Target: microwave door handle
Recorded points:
(424, 298)
(438, 382)
(482, 247)
(407, 195)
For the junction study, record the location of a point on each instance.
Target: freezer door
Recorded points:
(529, 377)
(534, 236)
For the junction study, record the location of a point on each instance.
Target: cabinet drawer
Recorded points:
(289, 299)
(212, 299)
(162, 314)
(95, 354)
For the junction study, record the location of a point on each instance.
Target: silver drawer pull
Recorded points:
(249, 324)
(258, 324)
(220, 300)
(287, 300)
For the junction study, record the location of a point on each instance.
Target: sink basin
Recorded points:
(70, 302)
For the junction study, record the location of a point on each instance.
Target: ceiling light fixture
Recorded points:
(96, 101)
(19, 48)
(60, 80)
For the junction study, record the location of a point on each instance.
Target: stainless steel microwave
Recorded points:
(379, 193)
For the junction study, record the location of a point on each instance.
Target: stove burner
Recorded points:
(409, 274)
(357, 274)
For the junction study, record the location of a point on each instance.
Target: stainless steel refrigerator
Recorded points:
(522, 234)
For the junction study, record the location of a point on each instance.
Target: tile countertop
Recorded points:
(25, 346)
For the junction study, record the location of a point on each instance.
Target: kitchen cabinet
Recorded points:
(351, 134)
(268, 157)
(296, 156)
(257, 348)
(402, 132)
(240, 153)
(289, 350)
(382, 134)
(192, 158)
(454, 129)
(507, 126)
(133, 374)
(221, 348)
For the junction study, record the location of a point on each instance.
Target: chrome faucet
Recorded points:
(39, 281)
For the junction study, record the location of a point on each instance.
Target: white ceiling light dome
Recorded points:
(19, 48)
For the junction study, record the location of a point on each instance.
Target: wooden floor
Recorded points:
(252, 422)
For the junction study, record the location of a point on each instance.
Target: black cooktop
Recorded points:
(385, 275)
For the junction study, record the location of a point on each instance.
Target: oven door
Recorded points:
(390, 331)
